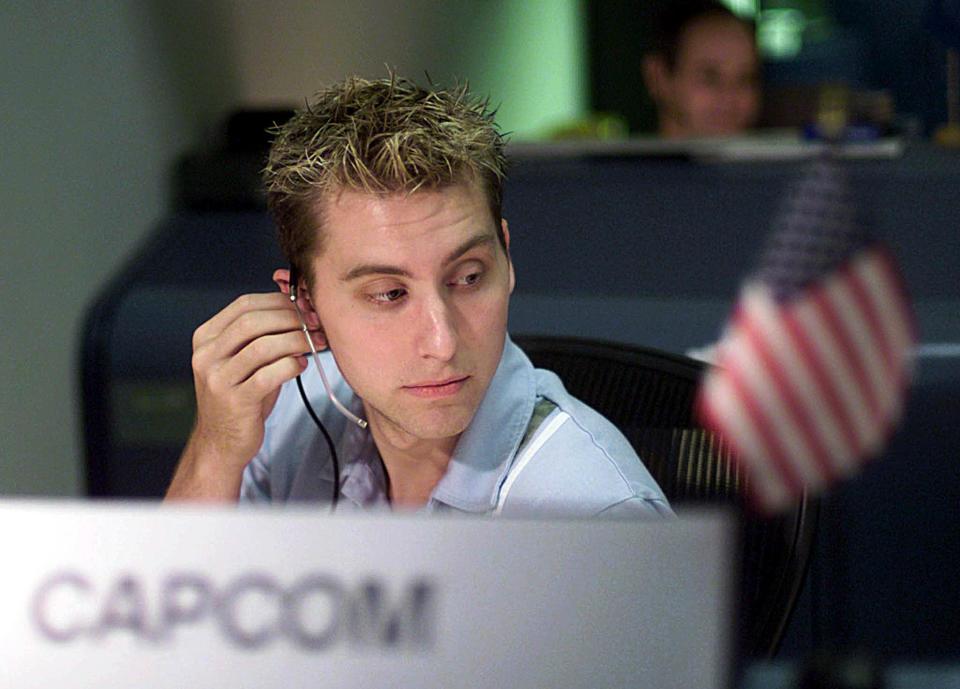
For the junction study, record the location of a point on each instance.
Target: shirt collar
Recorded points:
(487, 447)
(362, 481)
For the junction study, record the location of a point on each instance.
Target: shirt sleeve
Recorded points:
(256, 480)
(257, 484)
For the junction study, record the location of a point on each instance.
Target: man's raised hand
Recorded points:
(241, 357)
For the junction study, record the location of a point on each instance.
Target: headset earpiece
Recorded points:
(294, 281)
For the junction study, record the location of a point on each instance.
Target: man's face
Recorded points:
(713, 87)
(412, 292)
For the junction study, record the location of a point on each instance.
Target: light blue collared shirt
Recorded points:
(508, 461)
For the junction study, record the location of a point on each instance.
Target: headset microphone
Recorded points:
(316, 356)
(335, 492)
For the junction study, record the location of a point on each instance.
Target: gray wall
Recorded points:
(90, 124)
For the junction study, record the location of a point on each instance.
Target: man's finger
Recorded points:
(261, 353)
(249, 326)
(246, 303)
(268, 379)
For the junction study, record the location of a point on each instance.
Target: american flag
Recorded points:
(813, 367)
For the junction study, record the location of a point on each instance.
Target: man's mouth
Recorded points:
(433, 389)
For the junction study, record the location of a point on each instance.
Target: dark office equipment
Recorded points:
(136, 378)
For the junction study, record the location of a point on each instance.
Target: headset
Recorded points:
(294, 279)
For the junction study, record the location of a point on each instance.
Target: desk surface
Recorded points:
(771, 675)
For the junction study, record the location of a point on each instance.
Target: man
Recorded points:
(703, 71)
(387, 200)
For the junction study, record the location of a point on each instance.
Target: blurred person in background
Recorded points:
(703, 71)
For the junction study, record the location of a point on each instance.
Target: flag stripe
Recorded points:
(721, 408)
(760, 324)
(886, 393)
(777, 421)
(836, 408)
(828, 350)
(775, 451)
(846, 366)
(892, 333)
(882, 283)
(766, 384)
(900, 304)
(806, 378)
(860, 283)
(857, 333)
(896, 303)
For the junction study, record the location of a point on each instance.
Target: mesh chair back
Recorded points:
(649, 395)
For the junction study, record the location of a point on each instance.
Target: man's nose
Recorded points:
(437, 330)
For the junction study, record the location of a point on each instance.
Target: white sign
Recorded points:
(148, 596)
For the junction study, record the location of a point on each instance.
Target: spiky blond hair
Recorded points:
(381, 137)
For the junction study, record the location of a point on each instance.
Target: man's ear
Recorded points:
(281, 276)
(506, 240)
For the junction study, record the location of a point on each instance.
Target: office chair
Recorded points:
(649, 396)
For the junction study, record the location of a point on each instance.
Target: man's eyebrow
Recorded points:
(475, 241)
(374, 269)
(386, 269)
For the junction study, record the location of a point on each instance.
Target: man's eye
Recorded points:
(468, 279)
(389, 296)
